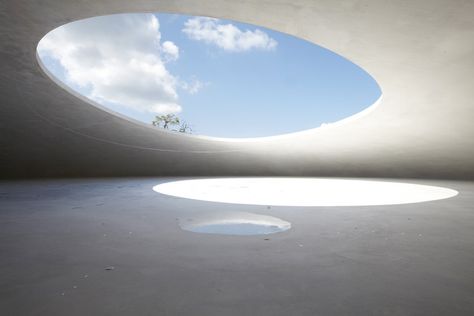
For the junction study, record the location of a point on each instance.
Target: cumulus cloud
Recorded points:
(170, 50)
(193, 86)
(227, 36)
(120, 58)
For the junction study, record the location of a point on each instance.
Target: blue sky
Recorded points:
(226, 79)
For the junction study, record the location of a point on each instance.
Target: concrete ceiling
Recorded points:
(420, 52)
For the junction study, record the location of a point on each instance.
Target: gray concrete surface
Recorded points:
(414, 259)
(420, 52)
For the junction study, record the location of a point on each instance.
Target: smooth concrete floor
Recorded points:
(58, 236)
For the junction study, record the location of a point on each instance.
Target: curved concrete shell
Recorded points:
(115, 247)
(420, 52)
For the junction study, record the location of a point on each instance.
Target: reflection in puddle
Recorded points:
(244, 224)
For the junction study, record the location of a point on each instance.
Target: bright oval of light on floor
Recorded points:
(303, 191)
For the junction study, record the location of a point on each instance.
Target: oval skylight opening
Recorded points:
(205, 76)
(303, 191)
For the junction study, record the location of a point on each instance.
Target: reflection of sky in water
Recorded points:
(233, 223)
(237, 229)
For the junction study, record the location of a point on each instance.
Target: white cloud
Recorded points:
(120, 58)
(171, 50)
(227, 36)
(193, 86)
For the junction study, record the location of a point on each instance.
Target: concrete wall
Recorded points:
(420, 52)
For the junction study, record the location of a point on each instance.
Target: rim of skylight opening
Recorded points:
(363, 113)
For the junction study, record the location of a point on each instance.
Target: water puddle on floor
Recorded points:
(243, 224)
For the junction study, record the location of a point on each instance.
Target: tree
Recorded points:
(185, 128)
(171, 120)
(165, 121)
